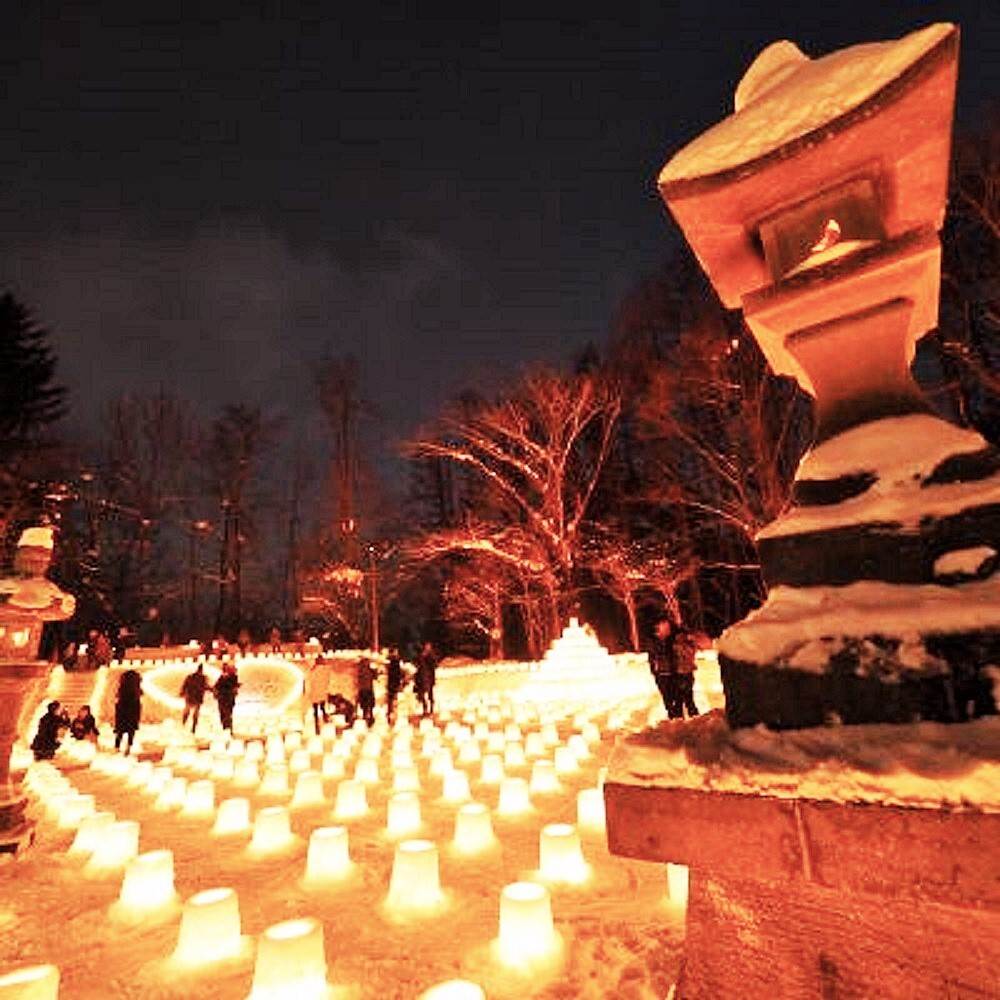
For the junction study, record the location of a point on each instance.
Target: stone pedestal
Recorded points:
(794, 898)
(19, 685)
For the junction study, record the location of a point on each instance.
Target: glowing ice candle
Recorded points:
(158, 781)
(590, 815)
(403, 815)
(299, 761)
(75, 808)
(272, 831)
(199, 801)
(677, 884)
(308, 791)
(254, 751)
(328, 732)
(148, 884)
(495, 743)
(91, 832)
(366, 771)
(560, 855)
(543, 778)
(203, 763)
(352, 802)
(118, 845)
(293, 740)
(210, 928)
(401, 758)
(415, 883)
(442, 763)
(512, 733)
(246, 774)
(455, 788)
(291, 962)
(577, 745)
(454, 989)
(275, 781)
(426, 726)
(591, 733)
(515, 799)
(534, 746)
(140, 774)
(30, 982)
(223, 769)
(372, 746)
(235, 749)
(187, 758)
(233, 817)
(565, 761)
(314, 746)
(491, 771)
(513, 756)
(406, 779)
(527, 933)
(473, 829)
(275, 752)
(550, 735)
(217, 746)
(469, 753)
(328, 858)
(332, 766)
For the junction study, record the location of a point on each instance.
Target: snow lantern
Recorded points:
(291, 962)
(527, 932)
(210, 928)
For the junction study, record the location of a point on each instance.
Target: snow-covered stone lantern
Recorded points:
(27, 601)
(816, 867)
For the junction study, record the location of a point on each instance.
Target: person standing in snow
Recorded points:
(128, 708)
(686, 646)
(225, 695)
(318, 689)
(426, 678)
(662, 651)
(193, 692)
(366, 689)
(393, 682)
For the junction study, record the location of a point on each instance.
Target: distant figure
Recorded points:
(128, 708)
(193, 692)
(686, 646)
(274, 639)
(662, 650)
(225, 695)
(150, 631)
(84, 725)
(426, 678)
(243, 641)
(393, 682)
(341, 706)
(318, 689)
(70, 657)
(46, 740)
(99, 649)
(366, 690)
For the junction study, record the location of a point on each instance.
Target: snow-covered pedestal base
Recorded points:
(884, 577)
(796, 890)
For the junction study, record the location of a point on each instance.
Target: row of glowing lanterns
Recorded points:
(210, 920)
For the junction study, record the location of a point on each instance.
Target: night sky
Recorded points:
(216, 196)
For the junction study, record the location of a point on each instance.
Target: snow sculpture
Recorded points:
(815, 209)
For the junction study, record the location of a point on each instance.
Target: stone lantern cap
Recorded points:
(851, 148)
(37, 538)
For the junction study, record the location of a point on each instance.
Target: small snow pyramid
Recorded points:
(577, 651)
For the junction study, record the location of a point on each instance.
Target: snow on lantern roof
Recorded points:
(785, 97)
(41, 538)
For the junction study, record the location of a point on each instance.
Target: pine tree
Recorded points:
(29, 398)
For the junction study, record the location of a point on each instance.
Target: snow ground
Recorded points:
(622, 938)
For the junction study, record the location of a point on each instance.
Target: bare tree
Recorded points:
(539, 452)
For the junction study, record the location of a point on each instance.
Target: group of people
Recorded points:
(320, 697)
(671, 649)
(195, 687)
(82, 726)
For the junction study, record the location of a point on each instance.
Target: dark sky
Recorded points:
(214, 201)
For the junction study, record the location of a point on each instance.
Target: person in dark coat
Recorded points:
(46, 740)
(663, 652)
(84, 725)
(193, 692)
(685, 646)
(128, 708)
(366, 689)
(426, 678)
(225, 695)
(393, 682)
